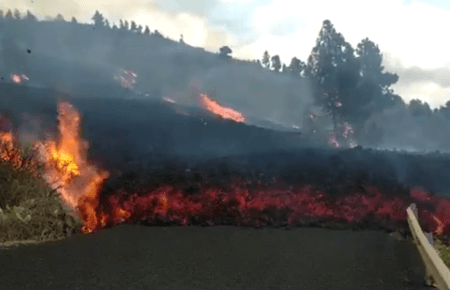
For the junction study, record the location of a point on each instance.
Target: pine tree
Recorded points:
(74, 20)
(276, 63)
(373, 81)
(9, 15)
(30, 16)
(98, 19)
(296, 67)
(225, 52)
(17, 14)
(133, 26)
(147, 30)
(59, 18)
(266, 59)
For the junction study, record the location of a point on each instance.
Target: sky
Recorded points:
(410, 33)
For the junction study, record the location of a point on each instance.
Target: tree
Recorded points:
(59, 18)
(181, 39)
(332, 66)
(147, 30)
(30, 16)
(139, 29)
(74, 20)
(98, 19)
(371, 71)
(107, 23)
(419, 109)
(266, 59)
(133, 26)
(225, 52)
(284, 69)
(296, 67)
(17, 14)
(276, 63)
(156, 33)
(126, 26)
(331, 106)
(114, 27)
(9, 15)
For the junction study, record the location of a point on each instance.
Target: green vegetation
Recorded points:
(29, 209)
(443, 248)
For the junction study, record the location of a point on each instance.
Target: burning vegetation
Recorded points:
(18, 79)
(126, 78)
(199, 197)
(221, 111)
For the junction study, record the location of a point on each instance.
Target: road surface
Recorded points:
(225, 257)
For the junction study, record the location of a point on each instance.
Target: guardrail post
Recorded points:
(437, 273)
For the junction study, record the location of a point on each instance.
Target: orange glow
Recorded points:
(440, 226)
(223, 112)
(79, 183)
(8, 150)
(16, 79)
(67, 169)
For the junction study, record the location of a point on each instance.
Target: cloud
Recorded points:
(429, 85)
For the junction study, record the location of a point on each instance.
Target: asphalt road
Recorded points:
(138, 257)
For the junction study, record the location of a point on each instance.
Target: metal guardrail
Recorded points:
(436, 270)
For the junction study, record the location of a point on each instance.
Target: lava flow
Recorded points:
(223, 112)
(242, 202)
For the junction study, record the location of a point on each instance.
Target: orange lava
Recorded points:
(79, 185)
(223, 112)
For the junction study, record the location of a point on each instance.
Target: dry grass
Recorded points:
(29, 209)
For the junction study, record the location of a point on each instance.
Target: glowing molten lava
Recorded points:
(223, 112)
(241, 202)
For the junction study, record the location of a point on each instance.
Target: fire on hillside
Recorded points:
(221, 111)
(241, 202)
(18, 79)
(126, 78)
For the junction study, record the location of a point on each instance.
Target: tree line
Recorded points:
(349, 84)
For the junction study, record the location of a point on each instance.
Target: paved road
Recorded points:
(137, 257)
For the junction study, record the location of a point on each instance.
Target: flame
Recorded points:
(19, 78)
(223, 112)
(68, 171)
(8, 149)
(16, 79)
